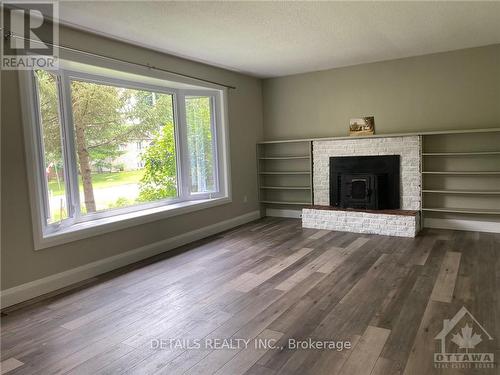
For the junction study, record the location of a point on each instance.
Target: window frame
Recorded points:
(81, 226)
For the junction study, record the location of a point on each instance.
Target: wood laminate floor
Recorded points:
(270, 281)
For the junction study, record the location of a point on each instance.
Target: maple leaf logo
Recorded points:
(467, 340)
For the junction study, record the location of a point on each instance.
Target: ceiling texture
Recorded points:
(270, 39)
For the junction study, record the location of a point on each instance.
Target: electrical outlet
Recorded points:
(245, 199)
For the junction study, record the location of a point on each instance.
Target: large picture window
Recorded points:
(105, 147)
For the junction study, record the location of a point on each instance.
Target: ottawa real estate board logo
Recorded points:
(30, 34)
(460, 343)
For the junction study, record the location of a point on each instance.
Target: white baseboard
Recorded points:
(51, 283)
(456, 224)
(276, 212)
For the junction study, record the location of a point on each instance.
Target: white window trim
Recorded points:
(104, 222)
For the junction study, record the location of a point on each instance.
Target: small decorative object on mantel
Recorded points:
(362, 126)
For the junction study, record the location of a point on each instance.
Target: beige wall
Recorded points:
(21, 264)
(445, 91)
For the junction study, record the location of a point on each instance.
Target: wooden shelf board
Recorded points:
(478, 153)
(287, 203)
(428, 133)
(286, 172)
(463, 173)
(478, 192)
(283, 157)
(478, 211)
(287, 187)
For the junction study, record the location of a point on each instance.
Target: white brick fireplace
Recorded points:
(408, 147)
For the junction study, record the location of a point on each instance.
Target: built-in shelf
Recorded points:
(474, 192)
(286, 172)
(463, 173)
(479, 153)
(454, 197)
(287, 203)
(284, 157)
(286, 187)
(294, 186)
(474, 211)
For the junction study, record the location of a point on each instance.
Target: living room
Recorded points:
(250, 187)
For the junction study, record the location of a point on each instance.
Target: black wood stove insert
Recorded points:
(366, 182)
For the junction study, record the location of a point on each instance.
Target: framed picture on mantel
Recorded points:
(362, 126)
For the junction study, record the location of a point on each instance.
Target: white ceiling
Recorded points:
(269, 39)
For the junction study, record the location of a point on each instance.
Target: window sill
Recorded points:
(105, 225)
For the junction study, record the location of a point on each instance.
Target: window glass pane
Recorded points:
(125, 145)
(200, 143)
(52, 149)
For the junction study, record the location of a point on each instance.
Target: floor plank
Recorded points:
(445, 284)
(9, 365)
(367, 350)
(246, 358)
